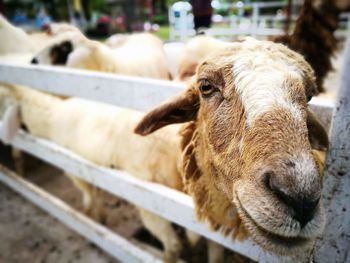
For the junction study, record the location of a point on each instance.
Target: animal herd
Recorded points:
(240, 138)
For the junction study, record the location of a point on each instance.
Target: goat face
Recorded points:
(249, 108)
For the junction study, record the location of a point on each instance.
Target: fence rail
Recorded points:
(137, 93)
(114, 244)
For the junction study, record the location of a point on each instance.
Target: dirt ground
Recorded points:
(28, 234)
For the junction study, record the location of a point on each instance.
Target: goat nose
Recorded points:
(34, 61)
(304, 208)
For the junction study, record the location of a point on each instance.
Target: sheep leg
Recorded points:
(93, 205)
(192, 237)
(216, 252)
(86, 191)
(99, 210)
(163, 230)
(18, 159)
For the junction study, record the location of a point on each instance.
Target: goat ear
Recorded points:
(317, 133)
(181, 108)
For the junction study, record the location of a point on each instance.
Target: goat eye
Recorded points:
(206, 88)
(309, 98)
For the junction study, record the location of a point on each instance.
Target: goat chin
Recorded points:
(281, 234)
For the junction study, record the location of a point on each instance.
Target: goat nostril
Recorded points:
(303, 209)
(268, 180)
(34, 61)
(311, 205)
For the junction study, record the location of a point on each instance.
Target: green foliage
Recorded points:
(97, 5)
(160, 19)
(170, 2)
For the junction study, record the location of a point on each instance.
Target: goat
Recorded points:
(247, 159)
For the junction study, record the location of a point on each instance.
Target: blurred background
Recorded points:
(169, 19)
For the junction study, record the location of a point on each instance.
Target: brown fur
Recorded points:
(223, 157)
(211, 204)
(313, 37)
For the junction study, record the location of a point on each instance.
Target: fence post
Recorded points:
(348, 23)
(255, 19)
(171, 24)
(335, 243)
(183, 25)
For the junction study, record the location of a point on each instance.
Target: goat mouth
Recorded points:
(278, 244)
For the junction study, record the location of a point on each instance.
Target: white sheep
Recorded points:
(142, 56)
(195, 50)
(136, 57)
(14, 39)
(56, 29)
(105, 128)
(173, 52)
(73, 49)
(17, 47)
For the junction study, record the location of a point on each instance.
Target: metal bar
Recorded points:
(132, 92)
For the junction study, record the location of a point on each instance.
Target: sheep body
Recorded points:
(110, 130)
(14, 39)
(16, 58)
(196, 49)
(61, 28)
(135, 57)
(105, 128)
(173, 52)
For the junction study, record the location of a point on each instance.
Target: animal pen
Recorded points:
(142, 94)
(257, 25)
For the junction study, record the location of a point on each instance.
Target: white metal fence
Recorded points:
(257, 24)
(137, 93)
